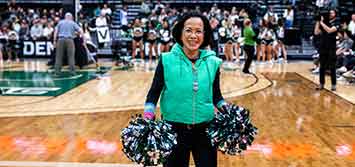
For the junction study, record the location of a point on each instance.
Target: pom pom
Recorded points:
(148, 142)
(232, 131)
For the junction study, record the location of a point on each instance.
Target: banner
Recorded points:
(37, 48)
(103, 34)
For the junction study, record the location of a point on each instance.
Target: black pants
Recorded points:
(215, 48)
(193, 140)
(327, 61)
(249, 50)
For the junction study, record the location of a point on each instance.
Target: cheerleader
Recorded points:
(269, 38)
(137, 38)
(280, 32)
(165, 37)
(151, 39)
(261, 43)
(236, 34)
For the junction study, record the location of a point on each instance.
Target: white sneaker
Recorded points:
(341, 78)
(316, 71)
(315, 56)
(342, 69)
(349, 74)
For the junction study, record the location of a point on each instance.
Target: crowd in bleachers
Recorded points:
(38, 24)
(153, 26)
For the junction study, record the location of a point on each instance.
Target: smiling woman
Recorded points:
(187, 79)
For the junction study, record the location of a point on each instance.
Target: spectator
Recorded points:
(24, 32)
(159, 6)
(48, 31)
(106, 10)
(270, 13)
(351, 26)
(288, 16)
(215, 36)
(123, 16)
(36, 30)
(97, 11)
(145, 9)
(322, 3)
(101, 22)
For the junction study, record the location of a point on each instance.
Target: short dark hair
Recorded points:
(179, 26)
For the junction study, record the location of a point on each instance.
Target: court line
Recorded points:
(327, 90)
(51, 79)
(63, 164)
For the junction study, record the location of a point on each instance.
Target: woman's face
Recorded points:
(192, 33)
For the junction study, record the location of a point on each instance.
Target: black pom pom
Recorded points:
(148, 142)
(232, 131)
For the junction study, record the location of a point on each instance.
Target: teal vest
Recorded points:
(187, 94)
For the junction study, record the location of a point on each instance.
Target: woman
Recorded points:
(280, 34)
(137, 39)
(152, 40)
(187, 78)
(288, 15)
(236, 35)
(165, 37)
(261, 49)
(249, 44)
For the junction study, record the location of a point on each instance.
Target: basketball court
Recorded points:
(76, 120)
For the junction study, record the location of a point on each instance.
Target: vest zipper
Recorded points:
(195, 89)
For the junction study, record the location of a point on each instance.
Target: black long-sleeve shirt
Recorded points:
(158, 84)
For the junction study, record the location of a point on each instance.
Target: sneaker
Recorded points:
(320, 87)
(349, 74)
(342, 69)
(316, 71)
(315, 56)
(334, 88)
(341, 78)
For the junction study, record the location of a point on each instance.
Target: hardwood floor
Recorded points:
(298, 126)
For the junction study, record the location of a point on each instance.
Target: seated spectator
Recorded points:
(345, 56)
(351, 27)
(48, 31)
(36, 30)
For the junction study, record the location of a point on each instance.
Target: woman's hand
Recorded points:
(149, 115)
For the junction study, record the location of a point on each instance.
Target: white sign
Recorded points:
(103, 34)
(37, 48)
